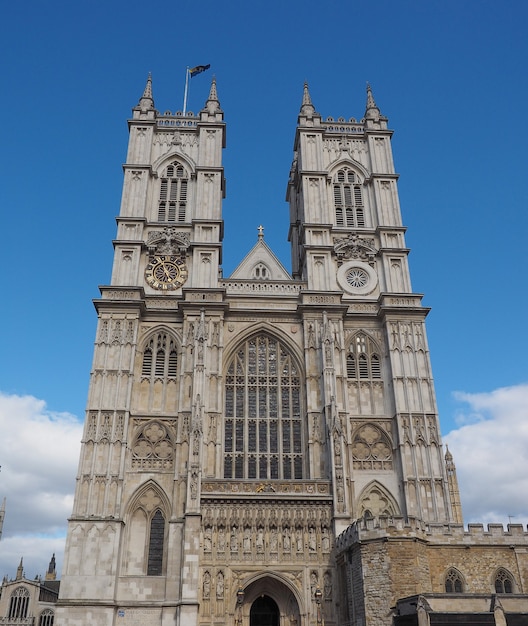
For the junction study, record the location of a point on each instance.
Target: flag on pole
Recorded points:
(198, 69)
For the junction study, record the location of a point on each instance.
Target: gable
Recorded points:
(260, 264)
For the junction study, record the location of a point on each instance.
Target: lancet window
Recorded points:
(156, 540)
(160, 358)
(503, 582)
(263, 437)
(172, 205)
(348, 199)
(453, 582)
(363, 359)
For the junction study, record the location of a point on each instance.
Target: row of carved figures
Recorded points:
(249, 540)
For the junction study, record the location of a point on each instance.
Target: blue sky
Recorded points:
(451, 77)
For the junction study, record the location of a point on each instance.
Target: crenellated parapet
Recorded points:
(412, 528)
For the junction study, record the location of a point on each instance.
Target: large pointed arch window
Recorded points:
(19, 603)
(172, 205)
(146, 548)
(263, 436)
(348, 199)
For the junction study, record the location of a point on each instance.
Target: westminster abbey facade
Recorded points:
(264, 449)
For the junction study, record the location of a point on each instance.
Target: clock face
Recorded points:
(166, 272)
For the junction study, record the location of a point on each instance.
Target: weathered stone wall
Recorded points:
(387, 560)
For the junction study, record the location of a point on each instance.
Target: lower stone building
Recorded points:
(25, 602)
(407, 573)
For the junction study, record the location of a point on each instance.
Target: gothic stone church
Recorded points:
(264, 449)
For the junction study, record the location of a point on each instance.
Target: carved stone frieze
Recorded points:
(355, 247)
(168, 241)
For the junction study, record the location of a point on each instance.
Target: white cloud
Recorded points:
(39, 454)
(490, 451)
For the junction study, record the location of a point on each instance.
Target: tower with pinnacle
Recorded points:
(242, 432)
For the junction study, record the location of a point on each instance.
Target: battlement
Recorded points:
(413, 528)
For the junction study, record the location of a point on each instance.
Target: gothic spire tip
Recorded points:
(307, 107)
(212, 104)
(147, 101)
(372, 111)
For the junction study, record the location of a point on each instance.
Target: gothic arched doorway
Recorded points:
(264, 612)
(269, 600)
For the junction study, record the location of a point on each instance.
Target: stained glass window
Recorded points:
(263, 413)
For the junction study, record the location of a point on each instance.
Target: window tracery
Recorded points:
(147, 532)
(454, 582)
(263, 435)
(153, 448)
(19, 603)
(46, 618)
(348, 199)
(376, 501)
(261, 272)
(503, 581)
(363, 359)
(173, 194)
(371, 449)
(160, 358)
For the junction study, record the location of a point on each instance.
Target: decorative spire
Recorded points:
(372, 111)
(147, 101)
(212, 104)
(454, 491)
(20, 570)
(307, 108)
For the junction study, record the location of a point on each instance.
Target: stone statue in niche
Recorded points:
(314, 583)
(299, 540)
(234, 539)
(327, 586)
(220, 585)
(312, 543)
(274, 540)
(206, 586)
(325, 540)
(286, 541)
(221, 539)
(247, 540)
(208, 539)
(260, 539)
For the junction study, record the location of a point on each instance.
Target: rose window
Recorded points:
(357, 277)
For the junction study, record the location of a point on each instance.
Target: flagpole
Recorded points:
(185, 92)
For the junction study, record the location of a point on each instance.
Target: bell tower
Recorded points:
(348, 245)
(172, 199)
(134, 532)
